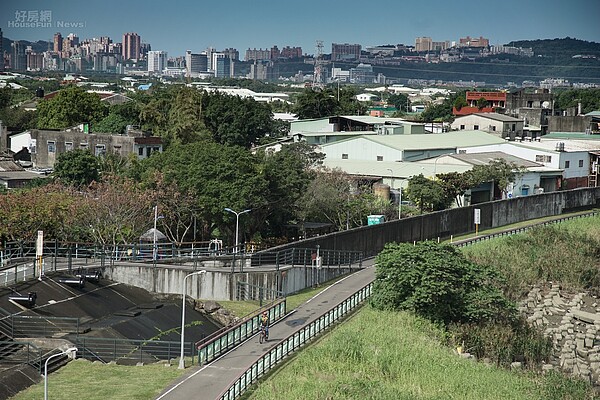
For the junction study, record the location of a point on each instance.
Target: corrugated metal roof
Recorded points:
(431, 141)
(399, 169)
(569, 145)
(486, 158)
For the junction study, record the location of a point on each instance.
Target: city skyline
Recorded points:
(262, 24)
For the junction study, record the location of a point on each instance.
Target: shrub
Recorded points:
(502, 343)
(437, 282)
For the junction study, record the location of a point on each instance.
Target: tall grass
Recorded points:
(568, 253)
(390, 355)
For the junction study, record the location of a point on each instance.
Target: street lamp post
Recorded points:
(237, 225)
(69, 350)
(181, 355)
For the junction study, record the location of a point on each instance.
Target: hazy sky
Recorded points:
(176, 26)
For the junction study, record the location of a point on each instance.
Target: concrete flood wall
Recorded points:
(220, 285)
(457, 221)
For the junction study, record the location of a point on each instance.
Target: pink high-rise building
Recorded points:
(131, 46)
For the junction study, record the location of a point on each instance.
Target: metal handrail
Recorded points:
(293, 342)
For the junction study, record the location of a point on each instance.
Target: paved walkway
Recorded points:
(209, 381)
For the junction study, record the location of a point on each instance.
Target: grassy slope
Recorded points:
(389, 355)
(82, 379)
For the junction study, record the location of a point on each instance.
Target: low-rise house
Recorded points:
(45, 146)
(378, 148)
(578, 158)
(503, 125)
(536, 179)
(13, 175)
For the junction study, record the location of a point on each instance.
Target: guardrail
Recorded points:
(306, 257)
(127, 351)
(18, 353)
(514, 231)
(293, 342)
(245, 291)
(39, 326)
(227, 338)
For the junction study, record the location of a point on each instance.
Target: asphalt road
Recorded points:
(209, 381)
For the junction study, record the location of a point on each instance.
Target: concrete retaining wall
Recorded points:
(458, 221)
(218, 285)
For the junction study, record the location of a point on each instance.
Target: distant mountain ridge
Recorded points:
(560, 48)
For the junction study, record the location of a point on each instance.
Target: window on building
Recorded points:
(379, 158)
(100, 150)
(51, 146)
(68, 146)
(344, 156)
(529, 103)
(117, 148)
(567, 164)
(580, 163)
(494, 128)
(543, 158)
(462, 152)
(462, 127)
(140, 151)
(83, 145)
(476, 127)
(514, 127)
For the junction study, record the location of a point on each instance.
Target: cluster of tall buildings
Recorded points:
(74, 55)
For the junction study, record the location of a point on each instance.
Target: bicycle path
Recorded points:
(209, 381)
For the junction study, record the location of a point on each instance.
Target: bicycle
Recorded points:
(264, 334)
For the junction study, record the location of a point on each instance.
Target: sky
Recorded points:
(176, 26)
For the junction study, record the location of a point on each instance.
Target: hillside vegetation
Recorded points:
(395, 355)
(568, 253)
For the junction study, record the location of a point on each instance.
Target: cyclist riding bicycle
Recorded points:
(264, 323)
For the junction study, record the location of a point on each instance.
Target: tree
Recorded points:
(437, 282)
(482, 103)
(112, 123)
(217, 176)
(460, 102)
(115, 211)
(498, 171)
(185, 116)
(427, 194)
(52, 208)
(288, 172)
(236, 121)
(71, 106)
(400, 101)
(315, 104)
(78, 167)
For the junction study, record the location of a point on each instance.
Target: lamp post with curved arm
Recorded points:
(237, 225)
(181, 355)
(67, 351)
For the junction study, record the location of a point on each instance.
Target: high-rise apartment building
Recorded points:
(131, 46)
(18, 57)
(195, 63)
(222, 65)
(474, 42)
(345, 52)
(58, 43)
(291, 52)
(423, 44)
(257, 55)
(157, 61)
